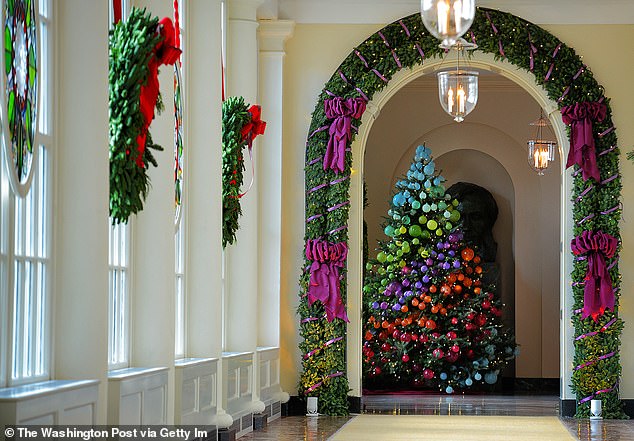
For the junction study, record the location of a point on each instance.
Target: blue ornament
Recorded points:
(375, 305)
(429, 168)
(427, 184)
(477, 376)
(491, 378)
(449, 390)
(468, 382)
(443, 376)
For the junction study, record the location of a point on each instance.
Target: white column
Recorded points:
(81, 206)
(241, 270)
(152, 319)
(203, 187)
(272, 35)
(241, 257)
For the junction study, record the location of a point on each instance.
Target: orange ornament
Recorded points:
(443, 311)
(404, 308)
(368, 335)
(427, 299)
(445, 289)
(476, 260)
(422, 306)
(457, 289)
(385, 324)
(414, 302)
(433, 289)
(467, 254)
(478, 270)
(467, 282)
(430, 324)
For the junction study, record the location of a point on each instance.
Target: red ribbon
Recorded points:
(582, 147)
(324, 282)
(165, 52)
(598, 295)
(254, 127)
(249, 132)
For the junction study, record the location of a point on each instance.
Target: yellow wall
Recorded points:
(313, 54)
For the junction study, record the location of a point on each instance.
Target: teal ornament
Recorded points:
(389, 230)
(491, 378)
(429, 168)
(427, 183)
(415, 205)
(434, 207)
(426, 208)
(447, 214)
(477, 376)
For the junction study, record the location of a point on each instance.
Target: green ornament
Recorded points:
(415, 230)
(381, 257)
(422, 220)
(432, 224)
(415, 241)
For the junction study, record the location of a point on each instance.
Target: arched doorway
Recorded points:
(333, 194)
(488, 149)
(402, 80)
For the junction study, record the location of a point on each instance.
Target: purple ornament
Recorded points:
(383, 305)
(424, 268)
(425, 278)
(446, 265)
(434, 254)
(405, 282)
(375, 305)
(429, 261)
(408, 293)
(456, 264)
(440, 245)
(452, 253)
(396, 307)
(441, 256)
(418, 285)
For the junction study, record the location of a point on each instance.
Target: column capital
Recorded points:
(243, 9)
(273, 34)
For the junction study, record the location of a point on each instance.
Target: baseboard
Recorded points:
(296, 406)
(568, 408)
(354, 404)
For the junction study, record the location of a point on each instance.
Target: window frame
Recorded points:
(26, 250)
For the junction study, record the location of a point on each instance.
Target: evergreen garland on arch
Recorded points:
(556, 67)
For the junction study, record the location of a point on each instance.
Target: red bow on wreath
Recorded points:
(165, 52)
(255, 127)
(250, 130)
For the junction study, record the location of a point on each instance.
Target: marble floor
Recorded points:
(295, 428)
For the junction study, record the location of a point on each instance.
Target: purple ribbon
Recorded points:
(320, 383)
(341, 111)
(324, 283)
(582, 147)
(532, 50)
(598, 294)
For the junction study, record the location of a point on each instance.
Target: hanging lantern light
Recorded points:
(458, 89)
(447, 20)
(540, 151)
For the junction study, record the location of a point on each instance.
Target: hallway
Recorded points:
(294, 428)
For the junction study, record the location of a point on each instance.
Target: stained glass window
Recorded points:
(178, 140)
(20, 77)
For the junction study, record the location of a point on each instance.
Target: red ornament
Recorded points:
(455, 348)
(438, 353)
(405, 358)
(428, 374)
(454, 321)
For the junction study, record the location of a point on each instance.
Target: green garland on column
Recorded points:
(367, 70)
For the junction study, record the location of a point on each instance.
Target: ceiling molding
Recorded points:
(382, 11)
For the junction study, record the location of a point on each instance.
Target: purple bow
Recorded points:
(341, 111)
(582, 149)
(598, 294)
(324, 276)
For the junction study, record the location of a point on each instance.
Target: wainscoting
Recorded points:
(137, 396)
(196, 390)
(237, 394)
(50, 402)
(268, 360)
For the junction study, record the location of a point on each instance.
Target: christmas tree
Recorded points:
(429, 320)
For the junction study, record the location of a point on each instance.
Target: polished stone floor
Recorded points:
(294, 428)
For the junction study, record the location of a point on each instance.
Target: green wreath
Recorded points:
(131, 45)
(240, 125)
